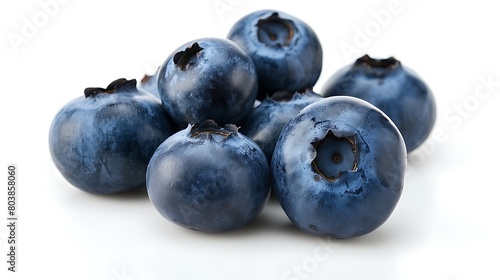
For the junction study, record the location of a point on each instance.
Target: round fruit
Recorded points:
(208, 79)
(285, 50)
(395, 89)
(102, 142)
(338, 167)
(209, 178)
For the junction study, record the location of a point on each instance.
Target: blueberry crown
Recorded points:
(210, 127)
(116, 85)
(390, 62)
(184, 58)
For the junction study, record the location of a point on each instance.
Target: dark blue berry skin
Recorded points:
(208, 79)
(395, 89)
(208, 178)
(338, 168)
(102, 142)
(265, 122)
(285, 50)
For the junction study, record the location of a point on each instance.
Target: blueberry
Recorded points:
(208, 79)
(285, 50)
(102, 142)
(395, 89)
(209, 178)
(265, 122)
(338, 167)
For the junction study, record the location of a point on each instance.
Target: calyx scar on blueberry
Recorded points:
(275, 31)
(387, 63)
(119, 84)
(184, 58)
(334, 155)
(210, 127)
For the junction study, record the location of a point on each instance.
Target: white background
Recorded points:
(445, 226)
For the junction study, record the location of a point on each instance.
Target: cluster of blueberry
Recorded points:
(225, 121)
